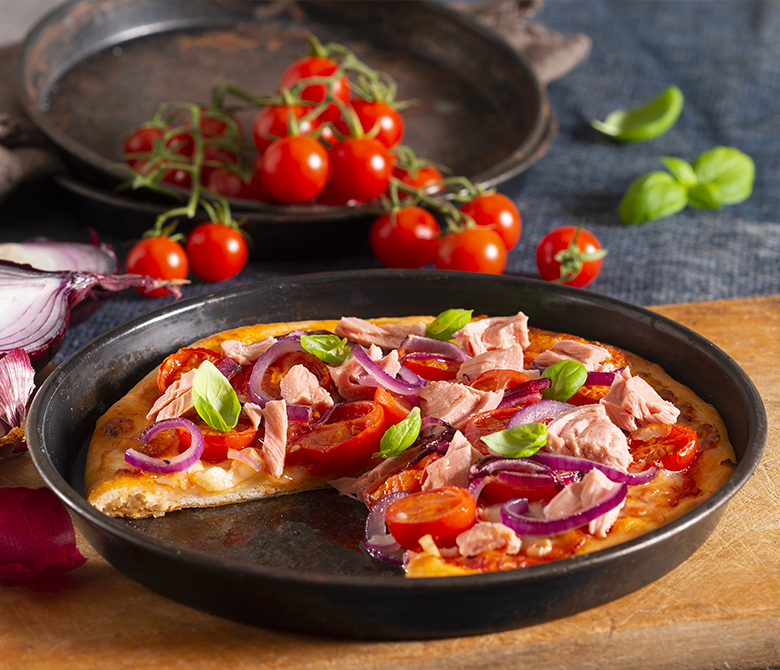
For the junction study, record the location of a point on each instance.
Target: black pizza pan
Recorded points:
(93, 69)
(294, 562)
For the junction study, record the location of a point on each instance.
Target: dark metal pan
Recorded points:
(294, 563)
(93, 69)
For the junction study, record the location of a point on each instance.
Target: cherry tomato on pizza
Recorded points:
(405, 238)
(497, 212)
(432, 368)
(499, 490)
(569, 255)
(671, 446)
(486, 423)
(295, 169)
(442, 513)
(216, 442)
(159, 257)
(472, 250)
(396, 409)
(216, 251)
(499, 379)
(184, 360)
(360, 169)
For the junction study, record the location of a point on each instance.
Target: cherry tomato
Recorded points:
(499, 380)
(376, 116)
(229, 185)
(295, 169)
(406, 239)
(498, 491)
(671, 446)
(497, 212)
(273, 122)
(442, 513)
(583, 258)
(216, 251)
(485, 423)
(471, 250)
(215, 158)
(423, 178)
(396, 409)
(317, 66)
(141, 140)
(184, 360)
(216, 442)
(348, 439)
(433, 369)
(159, 258)
(360, 169)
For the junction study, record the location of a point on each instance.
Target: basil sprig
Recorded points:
(566, 378)
(214, 398)
(646, 121)
(329, 348)
(720, 176)
(402, 435)
(517, 442)
(444, 326)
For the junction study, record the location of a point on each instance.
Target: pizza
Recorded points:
(476, 443)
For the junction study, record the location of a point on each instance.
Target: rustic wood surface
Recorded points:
(720, 609)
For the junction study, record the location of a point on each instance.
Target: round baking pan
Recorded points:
(294, 562)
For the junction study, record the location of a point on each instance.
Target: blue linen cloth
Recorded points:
(725, 57)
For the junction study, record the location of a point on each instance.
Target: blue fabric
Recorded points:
(725, 57)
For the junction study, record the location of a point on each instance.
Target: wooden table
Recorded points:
(720, 609)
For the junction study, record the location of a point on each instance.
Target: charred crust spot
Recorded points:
(708, 436)
(117, 427)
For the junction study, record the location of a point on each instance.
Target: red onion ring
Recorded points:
(513, 514)
(168, 465)
(299, 413)
(559, 462)
(377, 541)
(602, 378)
(283, 345)
(409, 383)
(430, 345)
(539, 412)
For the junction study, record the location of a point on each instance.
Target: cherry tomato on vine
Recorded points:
(496, 211)
(360, 169)
(295, 169)
(423, 178)
(317, 66)
(562, 259)
(141, 140)
(160, 258)
(216, 251)
(273, 122)
(471, 250)
(379, 116)
(406, 239)
(671, 446)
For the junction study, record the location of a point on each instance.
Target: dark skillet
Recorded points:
(294, 563)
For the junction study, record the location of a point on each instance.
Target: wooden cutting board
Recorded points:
(720, 609)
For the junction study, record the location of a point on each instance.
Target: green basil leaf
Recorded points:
(449, 322)
(681, 170)
(566, 377)
(401, 436)
(214, 398)
(705, 196)
(730, 169)
(329, 348)
(518, 442)
(644, 122)
(652, 196)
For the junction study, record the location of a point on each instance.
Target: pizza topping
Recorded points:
(275, 440)
(487, 536)
(376, 539)
(285, 345)
(386, 336)
(177, 399)
(452, 469)
(168, 465)
(301, 387)
(444, 326)
(387, 373)
(590, 355)
(455, 403)
(542, 411)
(566, 378)
(497, 332)
(517, 441)
(401, 435)
(631, 402)
(431, 345)
(510, 358)
(246, 353)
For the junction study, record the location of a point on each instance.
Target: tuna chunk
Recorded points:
(587, 432)
(452, 469)
(349, 376)
(631, 403)
(176, 401)
(590, 355)
(246, 353)
(510, 358)
(254, 413)
(386, 336)
(496, 332)
(275, 440)
(301, 387)
(594, 488)
(455, 403)
(486, 536)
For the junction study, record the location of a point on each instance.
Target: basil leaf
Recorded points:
(329, 348)
(681, 170)
(566, 377)
(518, 442)
(731, 170)
(401, 436)
(444, 326)
(644, 122)
(652, 196)
(705, 196)
(214, 398)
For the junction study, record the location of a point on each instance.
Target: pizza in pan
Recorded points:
(477, 444)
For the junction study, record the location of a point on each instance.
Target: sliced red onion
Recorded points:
(539, 412)
(402, 386)
(168, 465)
(299, 413)
(284, 345)
(570, 463)
(513, 514)
(520, 399)
(430, 345)
(228, 367)
(423, 356)
(38, 537)
(602, 378)
(492, 464)
(35, 305)
(376, 539)
(44, 253)
(476, 485)
(524, 393)
(249, 456)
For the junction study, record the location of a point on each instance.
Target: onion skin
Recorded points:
(44, 253)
